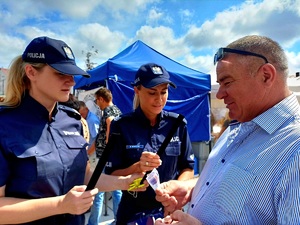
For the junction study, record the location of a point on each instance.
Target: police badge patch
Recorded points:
(68, 52)
(156, 70)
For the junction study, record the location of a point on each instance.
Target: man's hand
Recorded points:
(179, 218)
(174, 194)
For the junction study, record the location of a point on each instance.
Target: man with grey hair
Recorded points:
(252, 175)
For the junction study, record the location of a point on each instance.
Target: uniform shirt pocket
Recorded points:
(173, 149)
(32, 161)
(169, 168)
(75, 142)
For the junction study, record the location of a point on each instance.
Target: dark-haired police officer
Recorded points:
(140, 134)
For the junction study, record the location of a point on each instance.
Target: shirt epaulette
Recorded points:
(174, 115)
(70, 111)
(3, 108)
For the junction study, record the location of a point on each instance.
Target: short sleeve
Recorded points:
(4, 171)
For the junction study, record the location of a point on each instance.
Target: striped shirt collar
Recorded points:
(274, 117)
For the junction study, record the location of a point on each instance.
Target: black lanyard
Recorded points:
(103, 157)
(105, 154)
(166, 141)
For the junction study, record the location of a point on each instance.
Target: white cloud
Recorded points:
(132, 6)
(265, 18)
(203, 63)
(294, 62)
(105, 40)
(74, 8)
(279, 20)
(186, 17)
(112, 25)
(154, 15)
(162, 39)
(14, 47)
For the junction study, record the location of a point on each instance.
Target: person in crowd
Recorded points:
(43, 159)
(139, 135)
(89, 101)
(104, 99)
(252, 174)
(92, 121)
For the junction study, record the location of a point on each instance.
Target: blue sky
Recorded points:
(188, 31)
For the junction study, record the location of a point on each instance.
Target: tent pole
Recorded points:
(106, 84)
(210, 125)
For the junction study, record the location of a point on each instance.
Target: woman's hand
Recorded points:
(77, 201)
(149, 161)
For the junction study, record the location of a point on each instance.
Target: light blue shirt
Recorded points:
(93, 122)
(252, 175)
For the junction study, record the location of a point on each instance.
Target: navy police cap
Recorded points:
(55, 53)
(150, 75)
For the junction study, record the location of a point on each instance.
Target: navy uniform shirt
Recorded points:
(134, 135)
(39, 158)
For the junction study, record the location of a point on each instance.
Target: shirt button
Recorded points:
(223, 160)
(207, 183)
(192, 205)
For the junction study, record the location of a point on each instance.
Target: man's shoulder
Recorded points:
(124, 117)
(112, 110)
(93, 117)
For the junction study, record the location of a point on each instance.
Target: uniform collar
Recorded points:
(141, 116)
(30, 104)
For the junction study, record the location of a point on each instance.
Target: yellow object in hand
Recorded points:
(135, 184)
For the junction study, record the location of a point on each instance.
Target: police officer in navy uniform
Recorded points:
(43, 159)
(139, 135)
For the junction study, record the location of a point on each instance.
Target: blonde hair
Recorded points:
(17, 82)
(136, 99)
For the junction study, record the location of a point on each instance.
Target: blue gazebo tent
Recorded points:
(190, 98)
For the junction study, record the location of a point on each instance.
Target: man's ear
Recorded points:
(268, 74)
